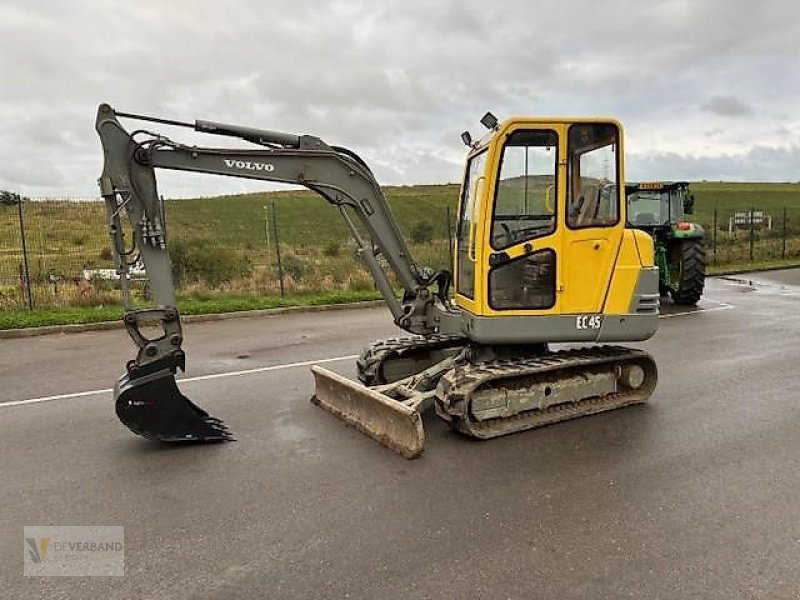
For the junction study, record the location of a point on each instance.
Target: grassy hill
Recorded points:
(306, 219)
(227, 235)
(303, 217)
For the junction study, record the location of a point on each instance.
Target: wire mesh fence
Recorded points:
(50, 252)
(752, 235)
(55, 252)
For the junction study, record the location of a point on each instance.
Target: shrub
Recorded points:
(422, 232)
(80, 239)
(331, 249)
(293, 265)
(104, 285)
(198, 260)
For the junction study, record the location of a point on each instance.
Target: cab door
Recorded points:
(469, 233)
(593, 229)
(522, 259)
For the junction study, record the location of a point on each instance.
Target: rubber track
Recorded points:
(456, 386)
(372, 357)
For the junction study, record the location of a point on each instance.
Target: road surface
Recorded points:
(694, 495)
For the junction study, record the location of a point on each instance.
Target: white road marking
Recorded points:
(304, 363)
(721, 306)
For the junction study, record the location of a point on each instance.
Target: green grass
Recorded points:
(62, 235)
(65, 237)
(220, 303)
(19, 319)
(729, 197)
(304, 219)
(758, 265)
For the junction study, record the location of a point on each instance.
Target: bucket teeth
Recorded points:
(153, 407)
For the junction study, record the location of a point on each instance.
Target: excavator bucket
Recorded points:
(152, 406)
(388, 421)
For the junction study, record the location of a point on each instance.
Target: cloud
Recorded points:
(728, 106)
(396, 80)
(759, 163)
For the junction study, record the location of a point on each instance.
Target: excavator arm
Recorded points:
(147, 397)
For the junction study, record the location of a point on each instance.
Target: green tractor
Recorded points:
(659, 208)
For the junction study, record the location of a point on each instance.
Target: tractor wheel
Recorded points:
(688, 270)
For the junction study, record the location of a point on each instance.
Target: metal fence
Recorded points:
(752, 236)
(48, 248)
(55, 252)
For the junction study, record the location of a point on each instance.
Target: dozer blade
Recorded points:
(389, 422)
(152, 406)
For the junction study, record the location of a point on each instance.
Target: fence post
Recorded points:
(266, 240)
(783, 235)
(277, 247)
(714, 237)
(449, 237)
(752, 234)
(27, 277)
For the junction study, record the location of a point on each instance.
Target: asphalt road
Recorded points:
(694, 495)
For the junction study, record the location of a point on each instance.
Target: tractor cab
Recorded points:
(658, 204)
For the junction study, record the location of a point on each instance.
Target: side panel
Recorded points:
(626, 273)
(590, 256)
(559, 328)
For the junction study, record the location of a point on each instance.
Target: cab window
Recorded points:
(593, 175)
(525, 195)
(467, 224)
(648, 208)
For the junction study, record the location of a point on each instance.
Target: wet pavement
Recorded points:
(694, 495)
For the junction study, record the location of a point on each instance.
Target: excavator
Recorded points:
(542, 257)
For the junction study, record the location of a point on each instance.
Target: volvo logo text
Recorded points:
(249, 165)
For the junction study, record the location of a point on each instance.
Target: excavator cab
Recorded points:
(541, 233)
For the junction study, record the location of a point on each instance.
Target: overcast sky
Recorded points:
(707, 89)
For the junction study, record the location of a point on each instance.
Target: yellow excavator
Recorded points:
(542, 257)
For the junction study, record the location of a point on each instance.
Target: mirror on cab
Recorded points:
(688, 204)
